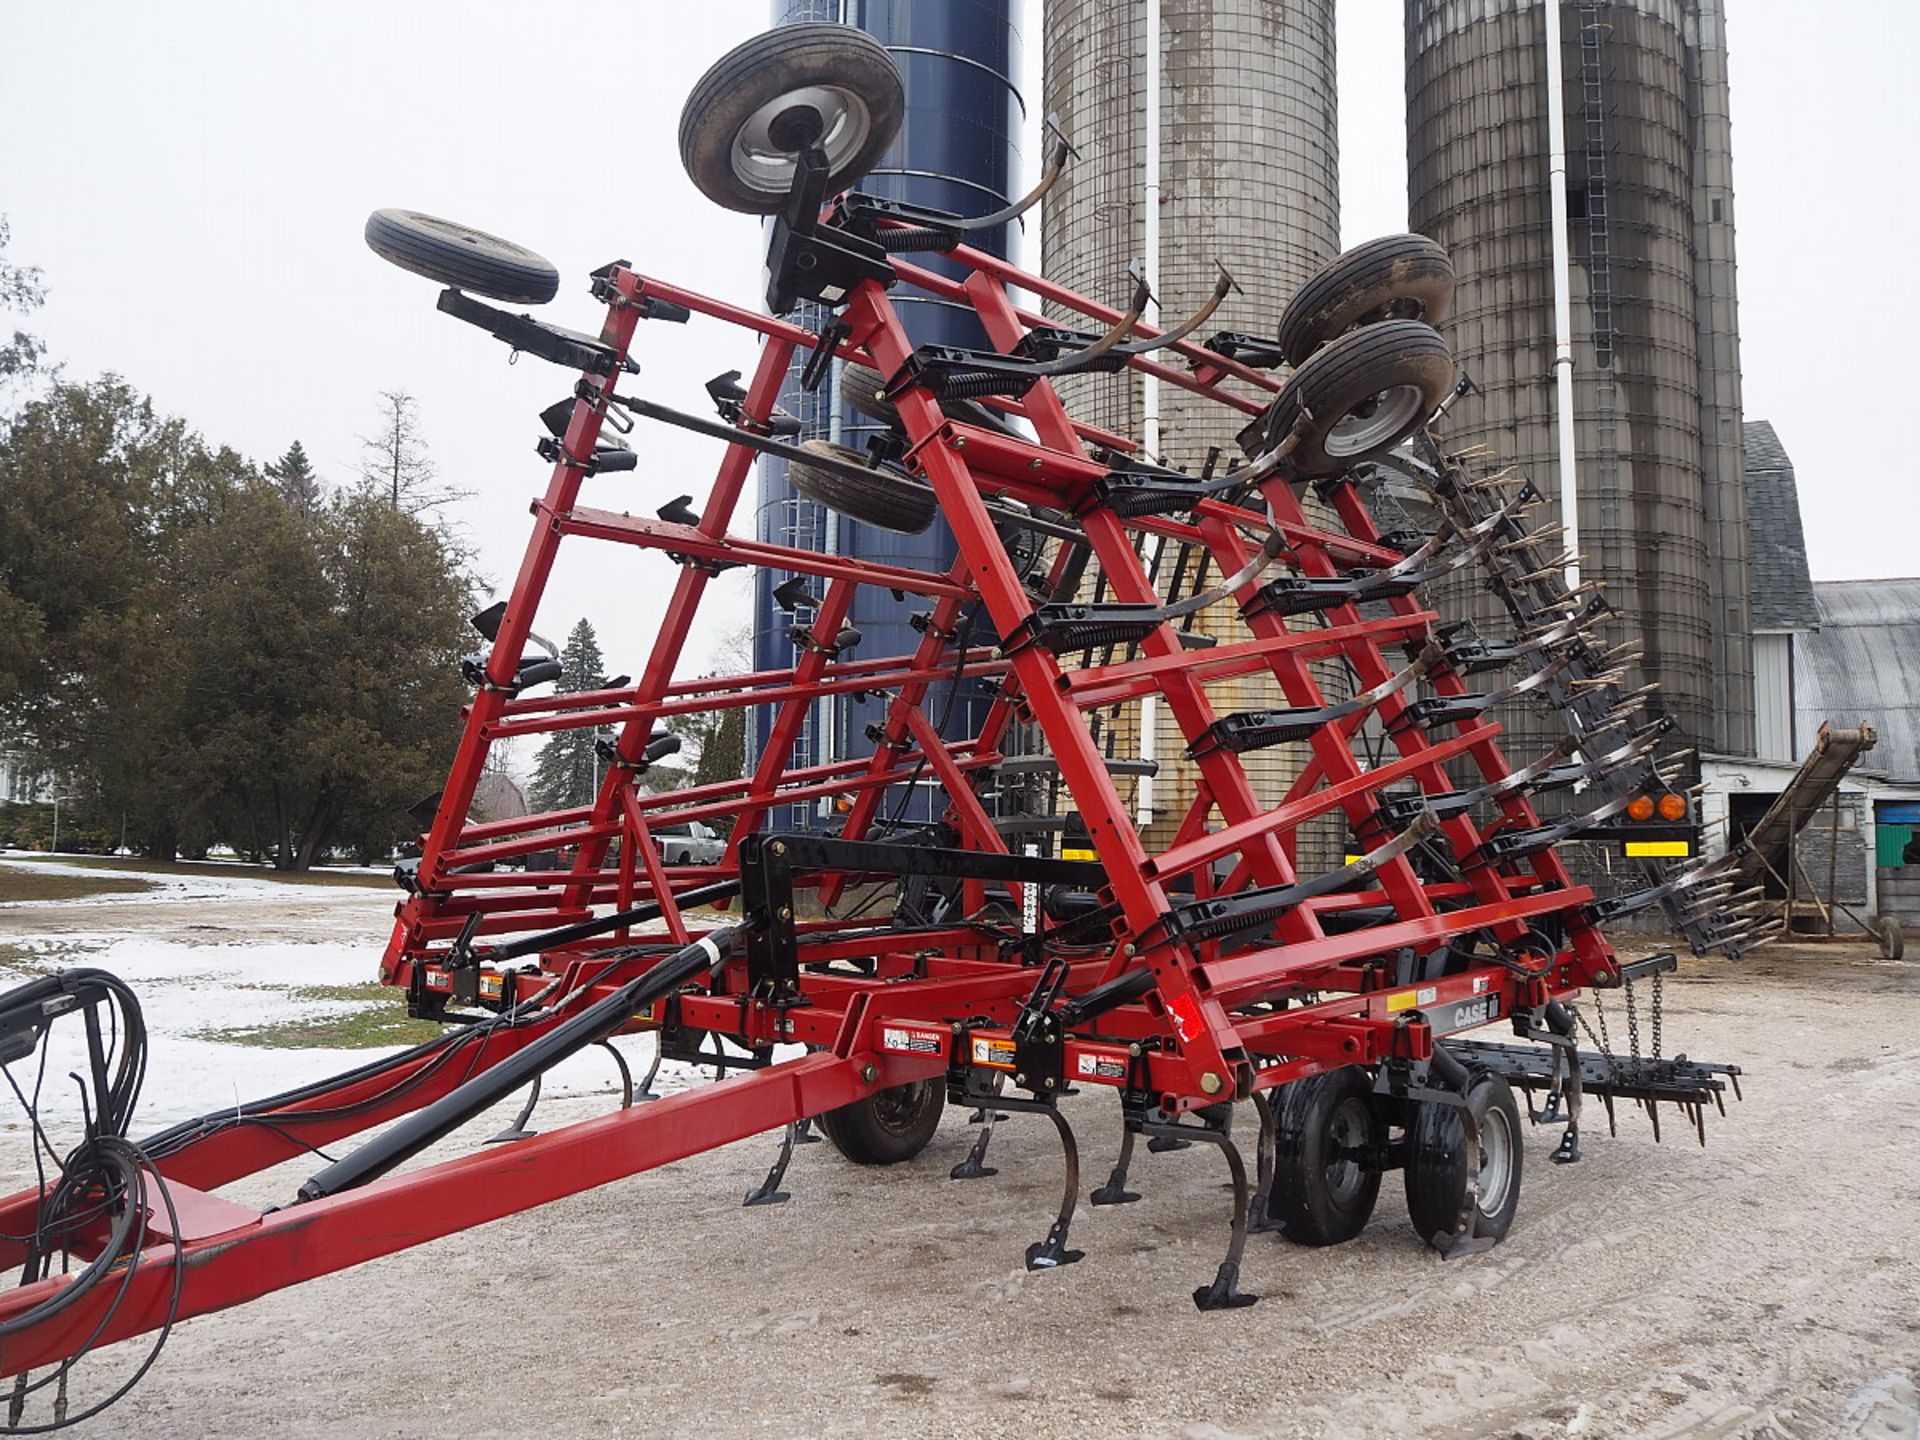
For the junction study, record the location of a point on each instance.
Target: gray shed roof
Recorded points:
(1781, 587)
(1863, 664)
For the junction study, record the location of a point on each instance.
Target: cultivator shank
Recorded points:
(1179, 978)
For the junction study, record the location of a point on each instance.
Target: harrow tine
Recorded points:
(646, 1091)
(975, 1166)
(1115, 1191)
(1224, 285)
(626, 1075)
(1223, 1293)
(518, 1129)
(768, 1191)
(803, 1133)
(1052, 1252)
(1266, 1153)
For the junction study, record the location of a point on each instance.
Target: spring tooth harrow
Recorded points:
(1182, 980)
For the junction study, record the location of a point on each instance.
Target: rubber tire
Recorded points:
(889, 1126)
(863, 391)
(1398, 277)
(460, 256)
(887, 500)
(1436, 1173)
(1301, 1201)
(1893, 941)
(1346, 374)
(790, 57)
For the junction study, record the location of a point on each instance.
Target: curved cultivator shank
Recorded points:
(1213, 975)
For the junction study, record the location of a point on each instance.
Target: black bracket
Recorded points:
(766, 887)
(807, 260)
(537, 337)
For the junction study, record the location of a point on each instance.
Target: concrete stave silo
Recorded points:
(1655, 340)
(1248, 174)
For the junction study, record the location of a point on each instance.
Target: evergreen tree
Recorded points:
(565, 771)
(203, 658)
(299, 486)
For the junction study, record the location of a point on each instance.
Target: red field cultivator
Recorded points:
(1218, 977)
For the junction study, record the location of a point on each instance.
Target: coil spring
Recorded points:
(1092, 636)
(968, 387)
(912, 238)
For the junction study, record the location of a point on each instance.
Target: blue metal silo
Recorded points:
(958, 150)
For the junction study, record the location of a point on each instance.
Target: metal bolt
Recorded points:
(1211, 1083)
(779, 847)
(959, 1029)
(1129, 949)
(1047, 1083)
(1019, 1079)
(786, 912)
(1135, 1051)
(1035, 463)
(869, 1073)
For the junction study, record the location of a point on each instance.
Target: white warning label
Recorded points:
(909, 1042)
(1100, 1067)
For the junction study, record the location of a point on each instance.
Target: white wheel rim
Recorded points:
(845, 125)
(1496, 1161)
(1377, 421)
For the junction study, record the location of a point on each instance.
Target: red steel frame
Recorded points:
(1206, 1030)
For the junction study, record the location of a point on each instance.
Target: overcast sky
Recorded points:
(193, 175)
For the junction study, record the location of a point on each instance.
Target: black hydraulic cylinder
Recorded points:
(489, 1087)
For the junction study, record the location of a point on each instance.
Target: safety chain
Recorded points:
(1658, 977)
(1633, 1025)
(1601, 1040)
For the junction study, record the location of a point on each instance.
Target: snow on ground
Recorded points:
(187, 884)
(198, 983)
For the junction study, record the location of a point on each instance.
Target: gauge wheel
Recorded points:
(1363, 394)
(1326, 1130)
(1399, 277)
(888, 1126)
(765, 101)
(879, 496)
(864, 392)
(1436, 1173)
(461, 256)
(1893, 942)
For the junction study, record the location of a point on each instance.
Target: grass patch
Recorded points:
(367, 1028)
(368, 992)
(18, 963)
(198, 867)
(19, 884)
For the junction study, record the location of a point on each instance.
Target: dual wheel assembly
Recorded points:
(1335, 1136)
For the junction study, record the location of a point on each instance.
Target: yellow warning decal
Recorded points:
(1657, 849)
(996, 1053)
(1066, 854)
(1408, 999)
